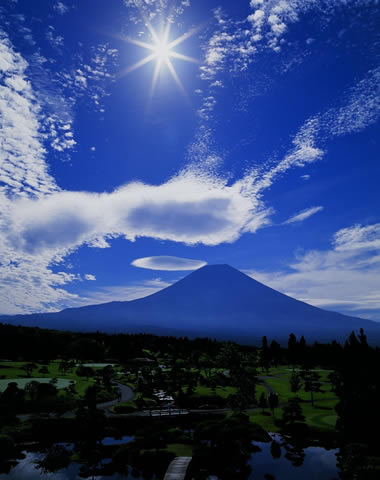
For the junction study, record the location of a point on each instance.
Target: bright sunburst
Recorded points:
(162, 51)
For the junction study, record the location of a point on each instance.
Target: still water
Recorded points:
(311, 463)
(27, 469)
(285, 462)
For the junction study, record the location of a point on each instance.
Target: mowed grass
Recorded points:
(266, 421)
(180, 449)
(14, 371)
(322, 416)
(224, 392)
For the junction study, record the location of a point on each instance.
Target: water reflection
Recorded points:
(280, 460)
(27, 469)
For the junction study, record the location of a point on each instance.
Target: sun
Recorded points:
(162, 51)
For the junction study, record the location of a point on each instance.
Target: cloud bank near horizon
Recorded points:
(345, 277)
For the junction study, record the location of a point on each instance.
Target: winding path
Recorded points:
(125, 394)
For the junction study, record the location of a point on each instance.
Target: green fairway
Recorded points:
(265, 421)
(97, 365)
(180, 449)
(224, 392)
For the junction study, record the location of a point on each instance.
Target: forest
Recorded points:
(129, 404)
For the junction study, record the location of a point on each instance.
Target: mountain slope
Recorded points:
(215, 300)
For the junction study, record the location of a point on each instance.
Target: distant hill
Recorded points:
(217, 301)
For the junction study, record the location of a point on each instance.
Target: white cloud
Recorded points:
(119, 293)
(22, 166)
(89, 276)
(61, 8)
(196, 206)
(168, 263)
(345, 277)
(56, 41)
(187, 208)
(143, 10)
(301, 216)
(92, 75)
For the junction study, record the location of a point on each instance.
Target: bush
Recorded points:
(124, 408)
(7, 447)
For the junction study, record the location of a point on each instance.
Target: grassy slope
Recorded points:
(322, 418)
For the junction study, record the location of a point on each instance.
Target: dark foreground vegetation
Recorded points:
(67, 394)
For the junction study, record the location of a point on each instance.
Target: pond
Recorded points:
(21, 382)
(27, 468)
(285, 461)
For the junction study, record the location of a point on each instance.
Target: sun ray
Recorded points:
(183, 57)
(175, 76)
(139, 43)
(183, 37)
(155, 78)
(162, 50)
(138, 65)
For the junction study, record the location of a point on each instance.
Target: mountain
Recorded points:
(217, 301)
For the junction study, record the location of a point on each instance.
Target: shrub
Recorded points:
(7, 447)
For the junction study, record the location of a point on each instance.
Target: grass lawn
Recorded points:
(259, 390)
(180, 449)
(282, 387)
(266, 421)
(97, 365)
(224, 392)
(321, 416)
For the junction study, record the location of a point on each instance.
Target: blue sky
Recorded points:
(260, 149)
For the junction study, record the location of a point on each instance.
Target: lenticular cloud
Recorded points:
(168, 263)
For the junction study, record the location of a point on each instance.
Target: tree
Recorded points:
(83, 371)
(275, 450)
(275, 352)
(64, 366)
(44, 370)
(7, 447)
(295, 382)
(263, 403)
(273, 401)
(265, 354)
(363, 339)
(31, 389)
(292, 412)
(292, 349)
(28, 368)
(311, 383)
(13, 396)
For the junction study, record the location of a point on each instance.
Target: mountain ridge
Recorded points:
(215, 300)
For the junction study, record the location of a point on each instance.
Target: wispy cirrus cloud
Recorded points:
(303, 215)
(345, 277)
(168, 263)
